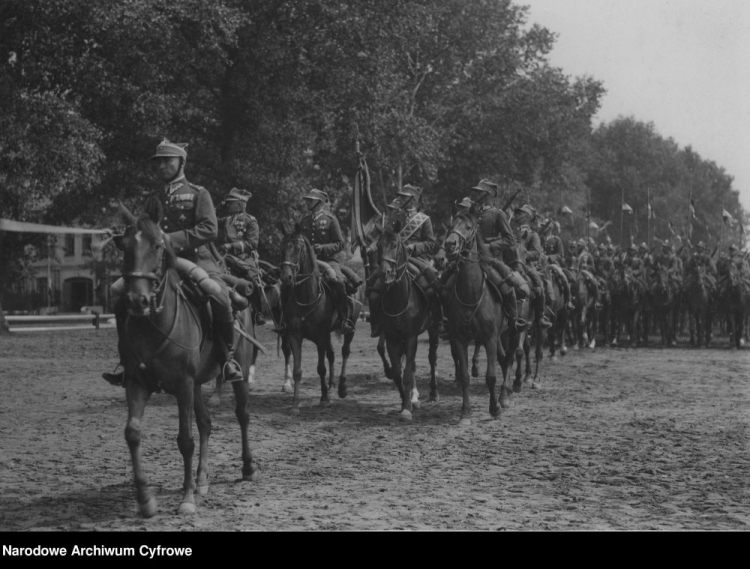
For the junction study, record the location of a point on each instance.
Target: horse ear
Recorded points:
(127, 217)
(153, 209)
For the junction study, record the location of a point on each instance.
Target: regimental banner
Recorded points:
(27, 227)
(364, 214)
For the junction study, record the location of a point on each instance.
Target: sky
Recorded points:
(679, 64)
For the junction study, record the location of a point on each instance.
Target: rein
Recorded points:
(399, 267)
(300, 278)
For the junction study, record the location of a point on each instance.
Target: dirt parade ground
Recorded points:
(616, 439)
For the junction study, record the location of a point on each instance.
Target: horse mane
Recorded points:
(148, 224)
(308, 250)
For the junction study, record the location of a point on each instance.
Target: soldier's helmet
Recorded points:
(167, 149)
(316, 195)
(411, 194)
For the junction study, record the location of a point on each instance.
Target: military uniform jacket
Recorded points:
(586, 261)
(553, 247)
(418, 233)
(534, 255)
(495, 230)
(190, 221)
(323, 229)
(242, 230)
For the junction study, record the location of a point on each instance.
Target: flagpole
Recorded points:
(622, 211)
(648, 217)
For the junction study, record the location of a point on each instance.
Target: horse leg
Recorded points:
(518, 354)
(295, 345)
(475, 359)
(186, 444)
(287, 351)
(331, 370)
(203, 420)
(345, 352)
(395, 352)
(493, 351)
(536, 383)
(322, 349)
(410, 400)
(434, 340)
(460, 353)
(137, 398)
(242, 412)
(387, 368)
(215, 399)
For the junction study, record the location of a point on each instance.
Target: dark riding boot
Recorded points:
(511, 308)
(260, 319)
(342, 305)
(566, 294)
(118, 376)
(541, 304)
(230, 369)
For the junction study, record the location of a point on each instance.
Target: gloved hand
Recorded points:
(318, 249)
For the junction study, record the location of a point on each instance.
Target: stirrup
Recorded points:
(519, 323)
(347, 326)
(117, 377)
(544, 322)
(260, 320)
(235, 371)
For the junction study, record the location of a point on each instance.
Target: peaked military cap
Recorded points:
(410, 191)
(316, 194)
(236, 194)
(486, 186)
(395, 204)
(466, 202)
(526, 209)
(167, 149)
(632, 247)
(643, 246)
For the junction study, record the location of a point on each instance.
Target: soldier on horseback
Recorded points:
(190, 224)
(528, 257)
(238, 242)
(584, 263)
(555, 252)
(418, 237)
(323, 231)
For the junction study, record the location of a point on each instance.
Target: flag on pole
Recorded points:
(593, 225)
(651, 213)
(626, 208)
(671, 228)
(727, 217)
(692, 209)
(566, 210)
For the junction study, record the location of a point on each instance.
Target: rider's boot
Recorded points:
(566, 294)
(260, 319)
(342, 305)
(541, 304)
(230, 369)
(117, 377)
(510, 303)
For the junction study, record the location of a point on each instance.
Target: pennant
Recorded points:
(626, 208)
(593, 225)
(671, 228)
(727, 217)
(566, 210)
(692, 209)
(651, 214)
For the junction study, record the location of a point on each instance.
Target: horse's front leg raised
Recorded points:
(137, 397)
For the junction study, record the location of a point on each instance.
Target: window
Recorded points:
(87, 244)
(70, 245)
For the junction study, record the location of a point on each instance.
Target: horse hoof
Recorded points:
(251, 384)
(464, 422)
(592, 345)
(342, 392)
(405, 415)
(287, 388)
(325, 403)
(252, 477)
(434, 398)
(186, 508)
(416, 404)
(295, 412)
(148, 509)
(563, 351)
(504, 401)
(536, 385)
(474, 371)
(517, 387)
(202, 490)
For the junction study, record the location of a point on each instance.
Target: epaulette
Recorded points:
(196, 186)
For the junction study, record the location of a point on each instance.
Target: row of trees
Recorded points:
(271, 93)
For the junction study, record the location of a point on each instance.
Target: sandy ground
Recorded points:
(617, 439)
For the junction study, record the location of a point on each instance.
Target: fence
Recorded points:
(60, 322)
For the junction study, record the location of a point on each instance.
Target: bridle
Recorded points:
(157, 280)
(299, 278)
(396, 274)
(465, 242)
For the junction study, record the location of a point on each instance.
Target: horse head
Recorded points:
(146, 255)
(461, 235)
(392, 254)
(298, 261)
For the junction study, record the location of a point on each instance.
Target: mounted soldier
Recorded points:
(323, 231)
(528, 257)
(585, 264)
(190, 225)
(555, 252)
(238, 242)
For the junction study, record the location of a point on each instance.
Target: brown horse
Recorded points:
(405, 314)
(556, 333)
(630, 297)
(584, 314)
(309, 314)
(473, 313)
(168, 349)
